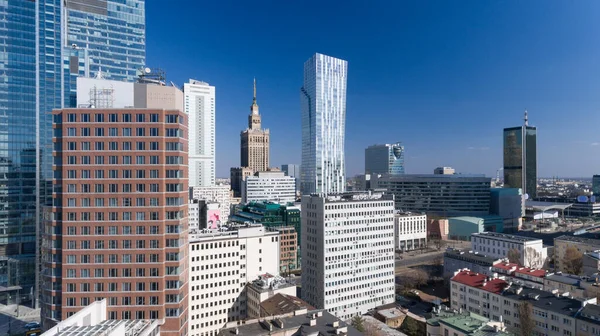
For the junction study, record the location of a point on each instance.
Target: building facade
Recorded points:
(199, 101)
(292, 170)
(520, 158)
(532, 251)
(444, 195)
(456, 260)
(120, 215)
(348, 252)
(596, 184)
(385, 159)
(508, 203)
(444, 171)
(584, 244)
(410, 231)
(288, 237)
(231, 259)
(323, 99)
(255, 141)
(219, 193)
(271, 186)
(237, 175)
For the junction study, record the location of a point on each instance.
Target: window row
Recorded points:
(123, 117)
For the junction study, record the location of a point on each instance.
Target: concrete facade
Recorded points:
(532, 252)
(269, 186)
(410, 231)
(219, 193)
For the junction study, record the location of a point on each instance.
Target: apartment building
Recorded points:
(410, 231)
(455, 259)
(584, 243)
(118, 225)
(288, 238)
(348, 252)
(222, 263)
(520, 276)
(553, 314)
(220, 194)
(532, 252)
(269, 186)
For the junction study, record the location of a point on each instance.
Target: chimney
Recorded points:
(313, 322)
(336, 324)
(320, 313)
(237, 331)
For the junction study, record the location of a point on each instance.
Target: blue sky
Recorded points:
(443, 77)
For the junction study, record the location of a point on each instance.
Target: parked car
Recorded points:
(32, 325)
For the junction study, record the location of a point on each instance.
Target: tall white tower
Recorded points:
(199, 106)
(323, 98)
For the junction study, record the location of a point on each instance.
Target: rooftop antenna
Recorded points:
(526, 119)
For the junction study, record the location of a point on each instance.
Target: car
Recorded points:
(32, 325)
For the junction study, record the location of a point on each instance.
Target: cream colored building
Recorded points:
(255, 141)
(263, 288)
(582, 244)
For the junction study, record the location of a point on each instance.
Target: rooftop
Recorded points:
(268, 282)
(108, 327)
(545, 206)
(469, 255)
(590, 313)
(354, 196)
(480, 281)
(505, 236)
(298, 323)
(579, 239)
(568, 279)
(544, 300)
(391, 313)
(280, 304)
(467, 323)
(540, 273)
(231, 232)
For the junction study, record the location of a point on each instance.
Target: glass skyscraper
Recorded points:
(323, 98)
(520, 158)
(385, 159)
(47, 44)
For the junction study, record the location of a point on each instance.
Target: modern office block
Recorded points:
(596, 185)
(508, 203)
(292, 170)
(272, 186)
(323, 99)
(385, 159)
(222, 263)
(410, 231)
(444, 195)
(118, 225)
(255, 141)
(348, 252)
(200, 108)
(520, 158)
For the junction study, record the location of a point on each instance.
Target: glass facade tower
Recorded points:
(385, 159)
(323, 99)
(47, 44)
(520, 158)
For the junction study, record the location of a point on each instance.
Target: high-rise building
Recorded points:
(323, 98)
(236, 178)
(49, 43)
(444, 171)
(596, 185)
(200, 108)
(520, 158)
(255, 141)
(231, 259)
(292, 170)
(270, 186)
(384, 159)
(118, 227)
(348, 252)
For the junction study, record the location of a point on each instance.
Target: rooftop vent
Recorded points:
(313, 322)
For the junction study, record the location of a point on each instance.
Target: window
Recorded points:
(99, 146)
(154, 159)
(85, 146)
(127, 159)
(153, 145)
(99, 117)
(126, 117)
(85, 117)
(72, 117)
(113, 146)
(140, 145)
(126, 145)
(153, 131)
(113, 117)
(113, 159)
(71, 131)
(140, 118)
(140, 159)
(113, 132)
(72, 146)
(140, 131)
(154, 117)
(99, 131)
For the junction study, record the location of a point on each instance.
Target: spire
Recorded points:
(526, 119)
(254, 106)
(254, 98)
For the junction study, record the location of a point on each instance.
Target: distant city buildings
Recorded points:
(385, 159)
(596, 185)
(292, 170)
(255, 141)
(119, 215)
(221, 264)
(520, 158)
(444, 171)
(323, 99)
(269, 186)
(508, 203)
(237, 176)
(199, 102)
(443, 195)
(348, 252)
(410, 231)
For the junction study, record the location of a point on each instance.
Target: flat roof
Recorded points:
(544, 300)
(465, 323)
(505, 236)
(132, 328)
(468, 255)
(391, 313)
(590, 313)
(569, 279)
(579, 239)
(544, 206)
(280, 304)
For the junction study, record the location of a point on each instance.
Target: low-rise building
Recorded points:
(584, 243)
(591, 263)
(93, 321)
(582, 287)
(410, 231)
(455, 259)
(281, 304)
(392, 317)
(461, 228)
(263, 288)
(221, 264)
(464, 324)
(520, 276)
(300, 322)
(438, 228)
(588, 321)
(531, 250)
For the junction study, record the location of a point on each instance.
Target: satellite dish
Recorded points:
(147, 70)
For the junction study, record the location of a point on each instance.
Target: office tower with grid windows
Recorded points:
(520, 158)
(118, 227)
(348, 252)
(323, 99)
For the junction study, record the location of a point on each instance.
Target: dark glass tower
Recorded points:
(520, 158)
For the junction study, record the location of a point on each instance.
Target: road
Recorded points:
(418, 259)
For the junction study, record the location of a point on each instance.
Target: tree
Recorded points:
(437, 242)
(410, 327)
(514, 256)
(526, 323)
(572, 262)
(358, 323)
(420, 277)
(533, 258)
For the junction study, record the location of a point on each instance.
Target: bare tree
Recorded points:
(533, 258)
(572, 262)
(526, 323)
(514, 256)
(371, 329)
(420, 277)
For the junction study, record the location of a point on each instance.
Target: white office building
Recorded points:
(410, 231)
(348, 252)
(199, 103)
(221, 264)
(532, 252)
(323, 99)
(269, 186)
(220, 193)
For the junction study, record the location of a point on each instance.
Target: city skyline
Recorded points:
(458, 78)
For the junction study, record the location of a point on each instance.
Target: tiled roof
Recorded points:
(480, 281)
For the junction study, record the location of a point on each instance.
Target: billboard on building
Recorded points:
(213, 218)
